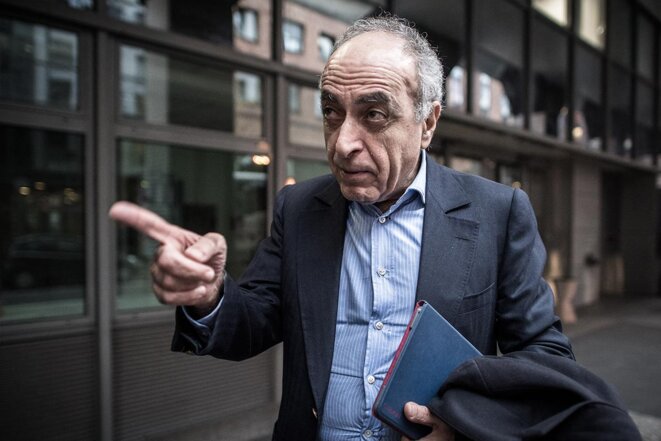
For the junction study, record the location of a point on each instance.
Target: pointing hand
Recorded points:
(188, 269)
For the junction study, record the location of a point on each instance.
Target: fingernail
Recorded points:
(411, 410)
(201, 290)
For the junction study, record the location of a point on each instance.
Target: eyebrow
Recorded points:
(374, 98)
(328, 97)
(370, 98)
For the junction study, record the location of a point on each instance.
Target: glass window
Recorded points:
(325, 44)
(292, 34)
(79, 4)
(645, 48)
(444, 22)
(209, 20)
(301, 169)
(306, 126)
(592, 22)
(619, 27)
(198, 189)
(38, 65)
(619, 89)
(589, 112)
(510, 174)
(467, 165)
(498, 62)
(556, 10)
(644, 123)
(549, 74)
(294, 95)
(42, 225)
(245, 24)
(160, 89)
(305, 20)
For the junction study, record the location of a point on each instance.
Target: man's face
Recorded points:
(373, 140)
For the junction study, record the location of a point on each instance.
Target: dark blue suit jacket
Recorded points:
(480, 266)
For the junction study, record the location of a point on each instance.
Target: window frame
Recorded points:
(78, 122)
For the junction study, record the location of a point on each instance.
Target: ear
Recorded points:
(429, 125)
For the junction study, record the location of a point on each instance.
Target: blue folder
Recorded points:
(429, 351)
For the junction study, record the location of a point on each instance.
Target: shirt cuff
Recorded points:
(205, 324)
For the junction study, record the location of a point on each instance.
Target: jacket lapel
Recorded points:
(449, 239)
(320, 245)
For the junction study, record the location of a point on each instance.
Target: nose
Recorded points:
(349, 139)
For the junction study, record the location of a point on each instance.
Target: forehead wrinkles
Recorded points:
(338, 76)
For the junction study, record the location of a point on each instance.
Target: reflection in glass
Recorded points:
(619, 25)
(589, 113)
(645, 123)
(467, 165)
(243, 24)
(79, 4)
(498, 90)
(42, 246)
(619, 90)
(556, 10)
(592, 22)
(160, 89)
(294, 98)
(325, 44)
(305, 125)
(510, 175)
(444, 23)
(455, 89)
(645, 47)
(301, 169)
(38, 65)
(499, 61)
(292, 33)
(246, 24)
(200, 190)
(306, 20)
(549, 70)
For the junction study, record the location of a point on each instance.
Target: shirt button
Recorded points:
(378, 326)
(383, 219)
(371, 379)
(367, 433)
(381, 272)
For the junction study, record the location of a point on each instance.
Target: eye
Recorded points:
(375, 115)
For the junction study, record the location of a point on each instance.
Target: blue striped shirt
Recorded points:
(378, 283)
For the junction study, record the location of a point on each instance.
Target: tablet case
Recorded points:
(429, 351)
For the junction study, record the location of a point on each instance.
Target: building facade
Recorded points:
(201, 110)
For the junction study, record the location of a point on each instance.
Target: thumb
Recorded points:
(417, 414)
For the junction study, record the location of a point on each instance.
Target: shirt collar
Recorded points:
(419, 184)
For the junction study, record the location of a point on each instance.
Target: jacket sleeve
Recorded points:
(525, 318)
(249, 319)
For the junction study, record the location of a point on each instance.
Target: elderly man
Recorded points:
(349, 254)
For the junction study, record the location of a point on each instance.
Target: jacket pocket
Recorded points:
(475, 301)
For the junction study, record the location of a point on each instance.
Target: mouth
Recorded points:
(355, 175)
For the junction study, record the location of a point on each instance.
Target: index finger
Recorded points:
(143, 220)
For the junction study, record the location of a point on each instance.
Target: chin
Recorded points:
(358, 195)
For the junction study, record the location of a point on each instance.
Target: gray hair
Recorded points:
(430, 70)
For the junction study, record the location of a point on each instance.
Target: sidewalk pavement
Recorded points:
(619, 339)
